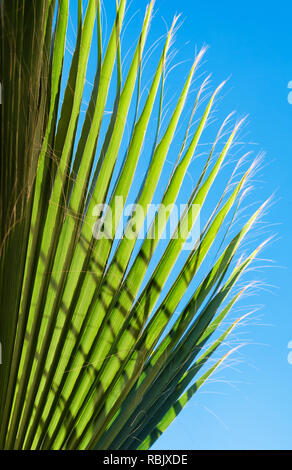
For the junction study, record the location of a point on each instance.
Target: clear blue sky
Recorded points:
(251, 43)
(249, 405)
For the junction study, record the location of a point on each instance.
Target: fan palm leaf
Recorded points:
(95, 352)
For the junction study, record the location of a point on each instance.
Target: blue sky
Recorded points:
(251, 43)
(248, 405)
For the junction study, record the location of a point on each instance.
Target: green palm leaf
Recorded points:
(90, 333)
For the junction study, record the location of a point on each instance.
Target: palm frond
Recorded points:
(95, 351)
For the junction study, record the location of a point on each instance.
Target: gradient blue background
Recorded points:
(251, 42)
(248, 404)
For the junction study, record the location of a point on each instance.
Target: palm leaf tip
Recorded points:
(99, 329)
